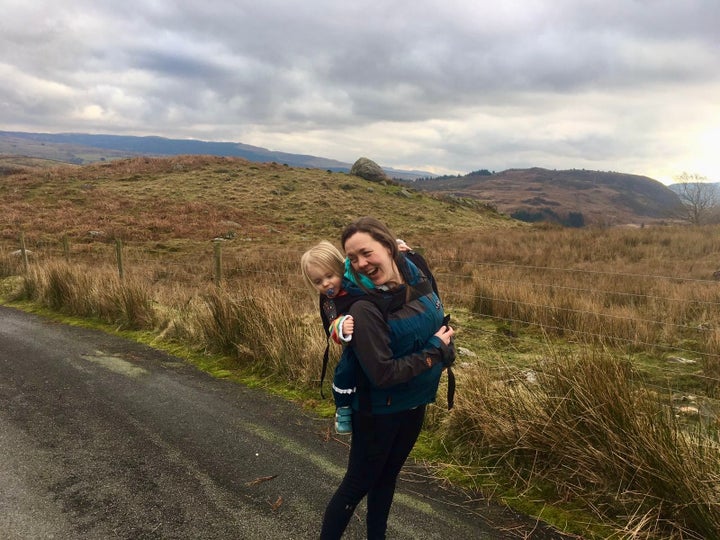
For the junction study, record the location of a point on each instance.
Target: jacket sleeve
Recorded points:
(336, 333)
(371, 343)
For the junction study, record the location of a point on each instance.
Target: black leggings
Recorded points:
(379, 447)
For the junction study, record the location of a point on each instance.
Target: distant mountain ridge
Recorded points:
(571, 197)
(79, 148)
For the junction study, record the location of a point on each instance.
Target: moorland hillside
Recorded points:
(575, 197)
(199, 198)
(572, 197)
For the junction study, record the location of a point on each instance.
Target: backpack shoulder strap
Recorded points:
(326, 357)
(419, 261)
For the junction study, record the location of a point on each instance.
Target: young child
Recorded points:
(323, 267)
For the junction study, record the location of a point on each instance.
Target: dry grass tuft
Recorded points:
(91, 292)
(591, 430)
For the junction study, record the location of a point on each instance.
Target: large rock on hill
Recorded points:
(369, 170)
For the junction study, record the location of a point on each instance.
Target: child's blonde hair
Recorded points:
(324, 255)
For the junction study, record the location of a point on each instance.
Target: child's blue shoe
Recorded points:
(343, 420)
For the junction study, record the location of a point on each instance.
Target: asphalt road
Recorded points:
(104, 438)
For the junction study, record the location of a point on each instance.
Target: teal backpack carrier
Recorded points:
(331, 308)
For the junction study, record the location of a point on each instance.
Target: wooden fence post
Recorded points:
(66, 247)
(217, 256)
(23, 252)
(118, 251)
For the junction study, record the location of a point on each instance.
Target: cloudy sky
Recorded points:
(446, 86)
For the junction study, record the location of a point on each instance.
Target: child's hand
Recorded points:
(402, 246)
(348, 326)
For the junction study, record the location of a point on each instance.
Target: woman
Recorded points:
(399, 349)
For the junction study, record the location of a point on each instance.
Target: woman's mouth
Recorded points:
(371, 273)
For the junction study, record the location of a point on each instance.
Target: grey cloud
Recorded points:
(166, 67)
(163, 63)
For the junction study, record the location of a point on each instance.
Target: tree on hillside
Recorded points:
(699, 198)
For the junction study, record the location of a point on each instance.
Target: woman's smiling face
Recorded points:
(371, 258)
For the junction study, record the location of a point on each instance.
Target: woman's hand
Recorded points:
(445, 334)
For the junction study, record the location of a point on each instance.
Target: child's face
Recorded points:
(325, 281)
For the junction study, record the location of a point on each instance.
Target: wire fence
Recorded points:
(671, 320)
(687, 333)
